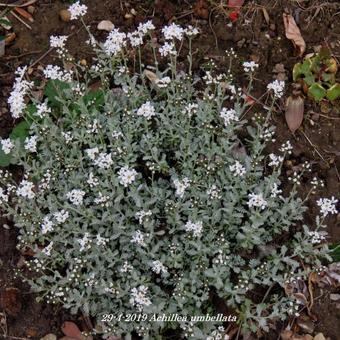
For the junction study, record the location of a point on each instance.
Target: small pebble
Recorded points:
(65, 15)
(31, 9)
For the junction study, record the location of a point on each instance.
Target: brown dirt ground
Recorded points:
(317, 141)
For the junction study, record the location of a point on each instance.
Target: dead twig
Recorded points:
(22, 21)
(10, 57)
(313, 146)
(17, 4)
(42, 57)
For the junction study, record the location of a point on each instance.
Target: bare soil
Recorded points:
(252, 37)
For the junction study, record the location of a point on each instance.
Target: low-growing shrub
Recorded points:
(140, 198)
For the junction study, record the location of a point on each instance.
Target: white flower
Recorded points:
(116, 134)
(58, 41)
(76, 196)
(191, 109)
(126, 267)
(228, 116)
(250, 66)
(101, 241)
(139, 297)
(275, 191)
(163, 82)
(256, 200)
(61, 216)
(46, 225)
(316, 237)
(138, 238)
(173, 31)
(104, 160)
(191, 31)
(31, 144)
(3, 197)
(84, 242)
(77, 10)
(92, 181)
(327, 206)
(6, 145)
(92, 153)
(158, 267)
(114, 42)
(195, 228)
(42, 109)
(16, 99)
(286, 147)
(102, 200)
(25, 189)
(167, 49)
(275, 160)
(67, 136)
(238, 169)
(47, 250)
(146, 110)
(213, 192)
(142, 214)
(181, 186)
(127, 176)
(146, 27)
(136, 38)
(277, 86)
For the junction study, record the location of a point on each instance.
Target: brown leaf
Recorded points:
(301, 298)
(293, 33)
(71, 330)
(294, 112)
(286, 334)
(235, 3)
(10, 300)
(266, 15)
(305, 323)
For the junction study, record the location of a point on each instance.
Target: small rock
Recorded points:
(49, 337)
(30, 71)
(31, 9)
(128, 16)
(105, 25)
(83, 62)
(255, 58)
(334, 297)
(315, 117)
(65, 15)
(319, 336)
(10, 38)
(279, 68)
(133, 12)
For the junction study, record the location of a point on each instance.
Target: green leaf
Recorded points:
(317, 92)
(97, 97)
(53, 89)
(333, 92)
(335, 252)
(5, 160)
(297, 71)
(5, 22)
(303, 69)
(21, 131)
(328, 77)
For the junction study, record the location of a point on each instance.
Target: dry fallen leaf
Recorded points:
(10, 301)
(293, 33)
(70, 329)
(105, 25)
(151, 76)
(202, 9)
(235, 3)
(294, 112)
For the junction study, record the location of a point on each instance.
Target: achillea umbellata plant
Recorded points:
(140, 198)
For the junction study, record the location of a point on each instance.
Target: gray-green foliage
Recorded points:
(233, 255)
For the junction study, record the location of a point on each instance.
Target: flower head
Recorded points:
(77, 10)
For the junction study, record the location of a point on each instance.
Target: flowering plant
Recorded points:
(141, 197)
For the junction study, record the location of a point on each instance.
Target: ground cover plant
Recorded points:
(143, 198)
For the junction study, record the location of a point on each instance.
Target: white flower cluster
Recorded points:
(163, 82)
(42, 110)
(214, 192)
(25, 189)
(181, 186)
(191, 109)
(139, 297)
(327, 206)
(172, 32)
(92, 181)
(77, 10)
(61, 216)
(275, 160)
(58, 42)
(84, 242)
(20, 89)
(141, 215)
(257, 201)
(31, 144)
(126, 267)
(228, 116)
(316, 237)
(167, 49)
(127, 176)
(249, 66)
(138, 238)
(3, 196)
(6, 145)
(195, 228)
(275, 191)
(158, 267)
(46, 225)
(286, 147)
(114, 42)
(277, 86)
(238, 169)
(136, 38)
(76, 196)
(47, 250)
(146, 110)
(104, 160)
(55, 72)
